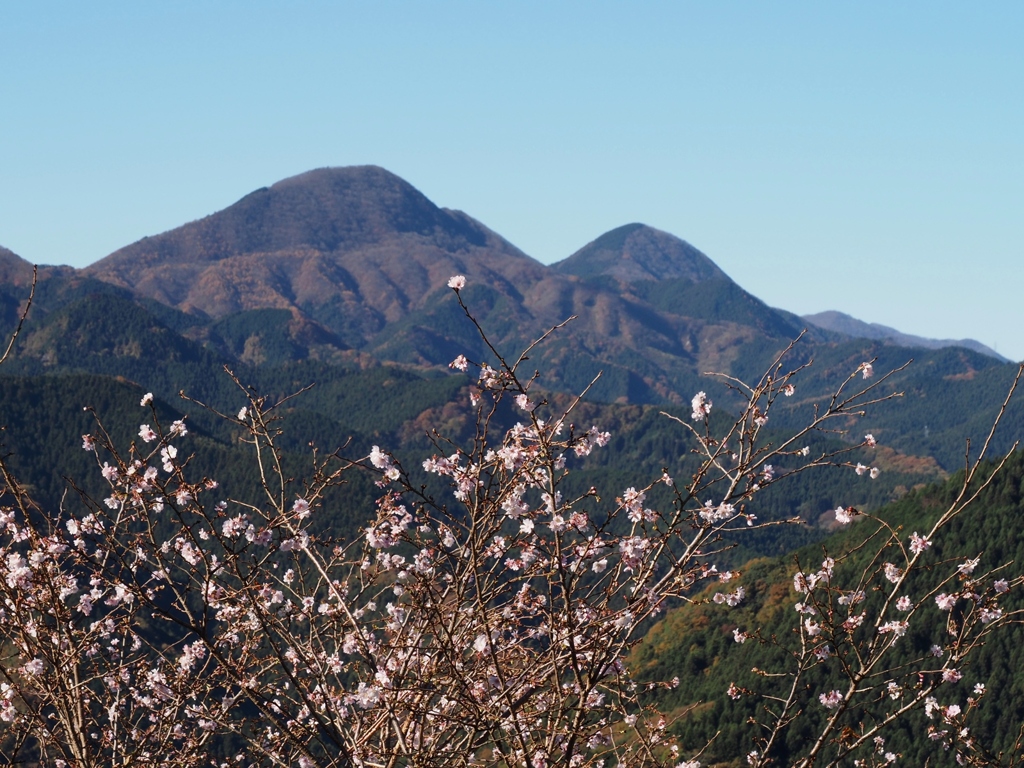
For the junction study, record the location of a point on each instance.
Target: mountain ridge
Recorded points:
(637, 252)
(343, 264)
(14, 270)
(840, 322)
(356, 248)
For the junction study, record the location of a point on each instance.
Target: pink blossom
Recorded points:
(557, 524)
(874, 473)
(843, 515)
(732, 599)
(147, 434)
(945, 602)
(870, 440)
(988, 615)
(19, 575)
(701, 406)
(918, 544)
(867, 370)
(301, 508)
(967, 567)
(831, 700)
(951, 675)
(712, 514)
(853, 622)
(525, 403)
(168, 453)
(366, 696)
(897, 628)
(382, 461)
(1001, 586)
(803, 583)
(460, 363)
(378, 458)
(633, 500)
(87, 443)
(457, 282)
(146, 399)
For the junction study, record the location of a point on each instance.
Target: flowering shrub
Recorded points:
(482, 618)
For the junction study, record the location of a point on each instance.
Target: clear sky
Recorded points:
(866, 157)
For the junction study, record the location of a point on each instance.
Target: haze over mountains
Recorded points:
(851, 326)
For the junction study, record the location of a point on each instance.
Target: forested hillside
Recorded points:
(697, 642)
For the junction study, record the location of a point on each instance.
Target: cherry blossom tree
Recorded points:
(481, 618)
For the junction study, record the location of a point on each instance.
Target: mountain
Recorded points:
(696, 641)
(360, 259)
(839, 322)
(338, 277)
(14, 270)
(349, 266)
(352, 248)
(15, 278)
(636, 252)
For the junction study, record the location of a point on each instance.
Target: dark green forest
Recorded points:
(697, 644)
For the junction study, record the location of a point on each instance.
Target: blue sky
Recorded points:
(866, 157)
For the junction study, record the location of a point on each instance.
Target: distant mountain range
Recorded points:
(858, 329)
(349, 266)
(356, 250)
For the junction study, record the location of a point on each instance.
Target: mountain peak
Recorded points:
(326, 210)
(353, 248)
(636, 252)
(14, 269)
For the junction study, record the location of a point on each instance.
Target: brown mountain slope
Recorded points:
(362, 253)
(354, 247)
(14, 270)
(359, 249)
(636, 252)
